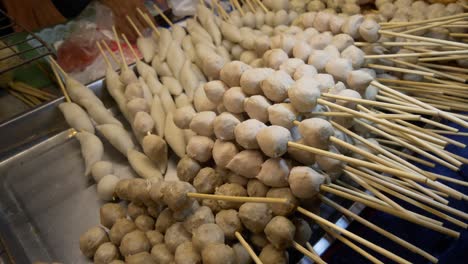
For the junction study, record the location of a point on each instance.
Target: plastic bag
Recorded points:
(78, 50)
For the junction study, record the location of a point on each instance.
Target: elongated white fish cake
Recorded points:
(158, 115)
(174, 136)
(146, 46)
(76, 117)
(175, 58)
(101, 115)
(188, 79)
(142, 165)
(118, 137)
(165, 39)
(167, 101)
(207, 20)
(91, 149)
(153, 84)
(78, 92)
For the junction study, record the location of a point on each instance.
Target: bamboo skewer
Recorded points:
(135, 55)
(22, 98)
(380, 104)
(464, 134)
(249, 4)
(455, 57)
(439, 73)
(385, 116)
(248, 248)
(396, 44)
(459, 35)
(59, 80)
(34, 92)
(109, 65)
(410, 157)
(420, 54)
(396, 69)
(433, 25)
(122, 56)
(168, 21)
(350, 244)
(420, 22)
(376, 192)
(383, 181)
(241, 199)
(359, 193)
(307, 253)
(421, 104)
(379, 121)
(347, 233)
(445, 67)
(358, 162)
(438, 41)
(134, 26)
(392, 211)
(379, 230)
(33, 99)
(262, 5)
(148, 21)
(111, 53)
(238, 7)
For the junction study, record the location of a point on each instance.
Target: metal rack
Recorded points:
(41, 47)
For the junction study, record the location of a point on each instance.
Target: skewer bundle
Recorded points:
(303, 113)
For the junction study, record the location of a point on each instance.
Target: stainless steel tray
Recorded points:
(46, 202)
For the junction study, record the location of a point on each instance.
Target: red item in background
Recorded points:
(74, 56)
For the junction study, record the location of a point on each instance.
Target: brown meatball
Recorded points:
(134, 210)
(212, 204)
(256, 188)
(187, 169)
(91, 240)
(218, 253)
(121, 227)
(255, 216)
(121, 190)
(175, 195)
(110, 212)
(140, 258)
(144, 223)
(161, 254)
(207, 180)
(230, 189)
(186, 254)
(154, 237)
(106, 253)
(242, 256)
(176, 235)
(259, 240)
(164, 221)
(303, 231)
(280, 232)
(270, 254)
(283, 209)
(134, 242)
(202, 215)
(229, 222)
(207, 234)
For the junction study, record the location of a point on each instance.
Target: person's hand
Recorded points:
(121, 9)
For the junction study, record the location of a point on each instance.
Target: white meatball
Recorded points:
(232, 71)
(321, 40)
(101, 169)
(251, 80)
(212, 65)
(246, 163)
(369, 30)
(302, 50)
(276, 86)
(304, 94)
(224, 126)
(304, 70)
(257, 107)
(325, 81)
(273, 140)
(305, 182)
(274, 172)
(275, 58)
(351, 26)
(336, 22)
(246, 133)
(359, 80)
(291, 65)
(183, 116)
(224, 152)
(143, 122)
(319, 59)
(321, 22)
(316, 132)
(355, 55)
(214, 90)
(281, 18)
(339, 68)
(282, 114)
(199, 148)
(348, 93)
(202, 123)
(233, 100)
(342, 41)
